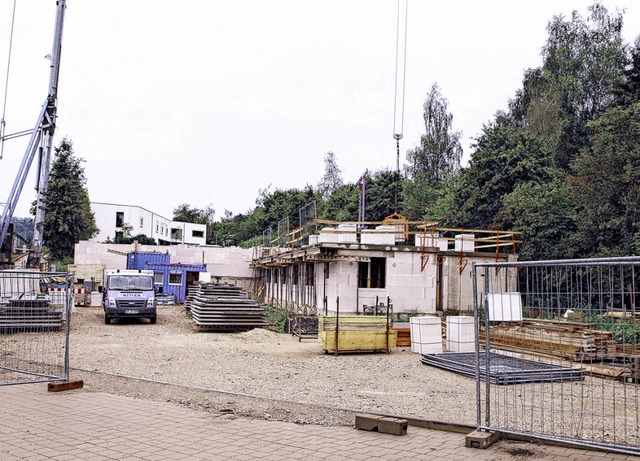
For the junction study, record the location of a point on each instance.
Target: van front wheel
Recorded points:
(152, 320)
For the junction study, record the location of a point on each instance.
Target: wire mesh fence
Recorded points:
(578, 315)
(35, 309)
(283, 233)
(308, 223)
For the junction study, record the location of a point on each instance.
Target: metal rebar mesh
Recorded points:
(576, 314)
(34, 308)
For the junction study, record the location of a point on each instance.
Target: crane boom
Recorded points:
(41, 134)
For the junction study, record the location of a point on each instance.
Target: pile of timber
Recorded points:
(403, 334)
(569, 340)
(29, 315)
(221, 307)
(596, 350)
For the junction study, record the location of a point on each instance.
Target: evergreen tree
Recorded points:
(68, 218)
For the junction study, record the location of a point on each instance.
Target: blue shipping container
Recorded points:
(138, 259)
(175, 278)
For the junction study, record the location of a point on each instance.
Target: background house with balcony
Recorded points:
(117, 220)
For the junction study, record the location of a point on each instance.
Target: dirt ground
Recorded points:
(259, 373)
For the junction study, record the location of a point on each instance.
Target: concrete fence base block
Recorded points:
(383, 424)
(481, 439)
(65, 385)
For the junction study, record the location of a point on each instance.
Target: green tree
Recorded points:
(438, 155)
(281, 204)
(342, 204)
(628, 92)
(332, 178)
(68, 217)
(547, 217)
(504, 157)
(381, 196)
(606, 184)
(583, 62)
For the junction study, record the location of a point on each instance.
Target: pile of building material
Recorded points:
(403, 334)
(569, 340)
(211, 289)
(221, 307)
(34, 315)
(502, 369)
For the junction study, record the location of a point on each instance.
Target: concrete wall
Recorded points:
(411, 288)
(457, 282)
(230, 264)
(411, 282)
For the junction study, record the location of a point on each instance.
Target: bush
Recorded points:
(278, 317)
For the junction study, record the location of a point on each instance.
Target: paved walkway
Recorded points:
(79, 425)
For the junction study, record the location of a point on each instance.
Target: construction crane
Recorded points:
(398, 103)
(40, 142)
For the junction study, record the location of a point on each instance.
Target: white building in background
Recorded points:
(114, 220)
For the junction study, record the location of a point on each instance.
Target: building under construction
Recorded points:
(358, 267)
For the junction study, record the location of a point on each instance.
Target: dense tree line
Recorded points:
(562, 164)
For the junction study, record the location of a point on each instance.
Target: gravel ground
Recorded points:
(259, 373)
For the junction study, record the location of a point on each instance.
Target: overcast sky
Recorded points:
(206, 102)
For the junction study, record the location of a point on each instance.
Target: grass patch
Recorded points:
(278, 317)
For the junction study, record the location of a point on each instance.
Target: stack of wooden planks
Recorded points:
(570, 340)
(403, 337)
(361, 333)
(596, 350)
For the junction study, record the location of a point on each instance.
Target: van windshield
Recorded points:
(130, 282)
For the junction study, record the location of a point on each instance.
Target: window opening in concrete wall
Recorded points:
(372, 274)
(119, 218)
(197, 233)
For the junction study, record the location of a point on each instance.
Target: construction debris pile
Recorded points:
(224, 307)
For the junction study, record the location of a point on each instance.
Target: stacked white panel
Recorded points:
(460, 333)
(426, 335)
(347, 233)
(465, 242)
(505, 307)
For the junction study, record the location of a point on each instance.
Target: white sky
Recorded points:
(206, 101)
